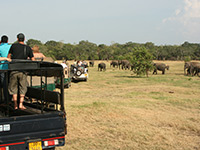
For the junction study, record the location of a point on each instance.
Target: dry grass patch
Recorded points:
(117, 110)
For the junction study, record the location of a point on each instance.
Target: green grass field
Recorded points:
(116, 110)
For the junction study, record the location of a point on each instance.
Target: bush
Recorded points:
(142, 60)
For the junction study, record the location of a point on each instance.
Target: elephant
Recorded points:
(197, 70)
(192, 67)
(126, 64)
(160, 67)
(102, 66)
(187, 66)
(91, 63)
(114, 63)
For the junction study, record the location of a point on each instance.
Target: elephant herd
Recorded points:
(190, 68)
(125, 64)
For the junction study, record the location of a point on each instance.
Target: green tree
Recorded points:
(42, 47)
(142, 60)
(55, 49)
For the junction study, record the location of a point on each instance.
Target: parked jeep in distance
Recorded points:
(79, 73)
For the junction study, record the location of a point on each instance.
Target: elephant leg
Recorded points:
(198, 73)
(154, 71)
(195, 73)
(163, 72)
(192, 71)
(188, 72)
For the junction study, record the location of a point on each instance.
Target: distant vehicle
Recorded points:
(67, 79)
(79, 73)
(42, 125)
(53, 83)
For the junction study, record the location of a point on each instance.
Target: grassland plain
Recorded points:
(116, 110)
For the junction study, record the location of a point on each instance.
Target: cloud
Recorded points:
(192, 8)
(188, 19)
(178, 12)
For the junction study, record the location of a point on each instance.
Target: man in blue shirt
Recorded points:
(4, 49)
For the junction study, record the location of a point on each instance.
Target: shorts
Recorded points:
(16, 78)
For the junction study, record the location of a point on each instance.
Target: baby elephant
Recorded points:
(160, 67)
(102, 66)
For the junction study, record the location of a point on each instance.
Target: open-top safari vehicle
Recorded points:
(67, 79)
(42, 125)
(79, 73)
(54, 83)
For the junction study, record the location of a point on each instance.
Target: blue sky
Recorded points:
(170, 22)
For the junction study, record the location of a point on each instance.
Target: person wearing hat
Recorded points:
(19, 51)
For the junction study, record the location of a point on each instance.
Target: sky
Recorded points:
(162, 22)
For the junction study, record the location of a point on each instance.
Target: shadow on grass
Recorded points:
(130, 76)
(77, 81)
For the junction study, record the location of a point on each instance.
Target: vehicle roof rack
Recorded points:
(49, 69)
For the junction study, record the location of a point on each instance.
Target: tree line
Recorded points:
(86, 50)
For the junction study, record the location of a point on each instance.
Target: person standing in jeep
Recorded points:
(19, 51)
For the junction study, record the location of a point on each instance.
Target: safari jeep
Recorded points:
(79, 73)
(42, 125)
(67, 79)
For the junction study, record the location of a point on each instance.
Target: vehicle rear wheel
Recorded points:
(50, 149)
(67, 85)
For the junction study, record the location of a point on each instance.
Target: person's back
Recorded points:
(19, 51)
(4, 49)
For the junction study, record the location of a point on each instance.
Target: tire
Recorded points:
(78, 73)
(50, 148)
(67, 85)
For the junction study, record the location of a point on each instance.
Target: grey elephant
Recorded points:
(125, 64)
(91, 63)
(187, 68)
(197, 70)
(160, 67)
(193, 67)
(102, 66)
(114, 63)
